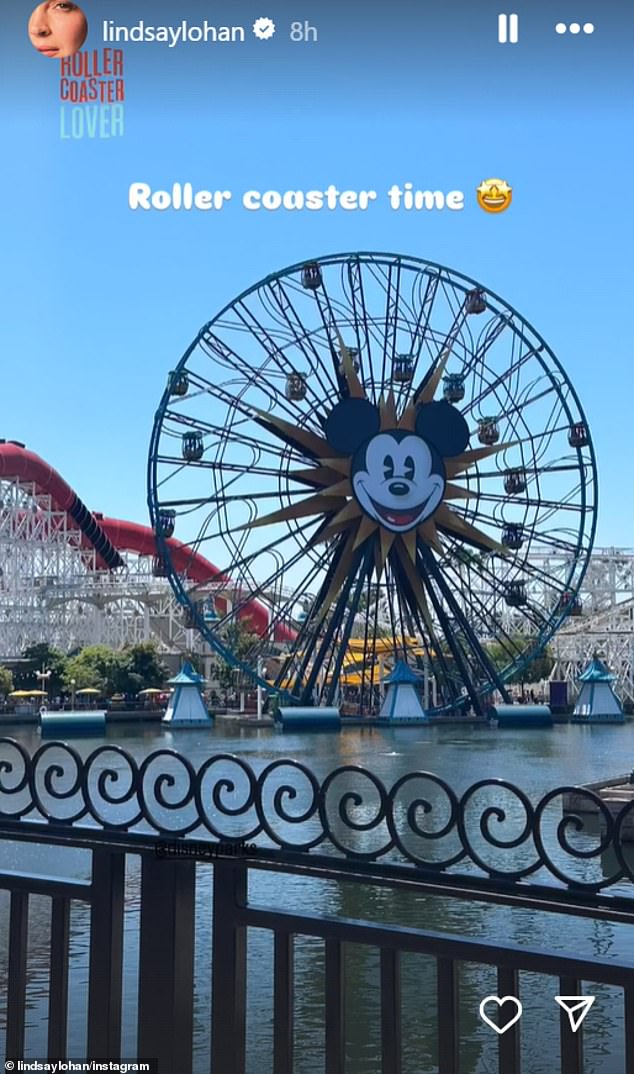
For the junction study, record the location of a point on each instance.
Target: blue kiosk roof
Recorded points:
(402, 673)
(596, 671)
(186, 677)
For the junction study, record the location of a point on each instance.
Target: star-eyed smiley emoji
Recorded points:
(494, 195)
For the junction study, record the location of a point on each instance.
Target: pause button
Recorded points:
(508, 29)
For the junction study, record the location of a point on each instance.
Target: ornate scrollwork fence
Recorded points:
(492, 828)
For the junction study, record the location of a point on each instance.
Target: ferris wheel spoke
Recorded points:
(370, 330)
(498, 323)
(554, 542)
(275, 543)
(527, 568)
(392, 293)
(262, 335)
(530, 472)
(513, 380)
(239, 438)
(418, 323)
(236, 498)
(486, 613)
(365, 333)
(528, 528)
(529, 501)
(392, 617)
(529, 613)
(381, 273)
(311, 354)
(356, 298)
(236, 327)
(423, 621)
(369, 642)
(252, 590)
(520, 408)
(493, 627)
(529, 440)
(536, 573)
(427, 567)
(202, 426)
(346, 620)
(268, 345)
(502, 378)
(322, 636)
(511, 427)
(541, 442)
(426, 389)
(241, 329)
(421, 325)
(336, 347)
(442, 600)
(233, 402)
(208, 464)
(221, 353)
(457, 303)
(274, 366)
(283, 615)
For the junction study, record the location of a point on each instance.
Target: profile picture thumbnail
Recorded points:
(57, 29)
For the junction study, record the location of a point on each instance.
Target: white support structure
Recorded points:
(606, 626)
(51, 590)
(608, 635)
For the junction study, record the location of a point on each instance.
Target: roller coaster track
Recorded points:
(109, 537)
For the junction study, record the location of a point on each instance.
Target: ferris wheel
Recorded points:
(370, 445)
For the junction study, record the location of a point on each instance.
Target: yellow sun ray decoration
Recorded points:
(380, 482)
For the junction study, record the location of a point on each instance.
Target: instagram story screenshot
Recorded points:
(316, 537)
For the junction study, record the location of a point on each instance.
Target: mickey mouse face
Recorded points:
(398, 476)
(393, 480)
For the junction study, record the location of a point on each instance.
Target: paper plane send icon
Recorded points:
(576, 1007)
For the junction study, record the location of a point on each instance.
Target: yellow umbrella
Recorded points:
(88, 690)
(381, 645)
(151, 690)
(28, 693)
(355, 679)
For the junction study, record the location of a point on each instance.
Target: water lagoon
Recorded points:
(535, 761)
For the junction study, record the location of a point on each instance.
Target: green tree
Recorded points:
(537, 669)
(196, 661)
(93, 667)
(41, 657)
(241, 640)
(124, 671)
(6, 681)
(140, 668)
(145, 661)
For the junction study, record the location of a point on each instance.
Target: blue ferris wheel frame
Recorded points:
(579, 561)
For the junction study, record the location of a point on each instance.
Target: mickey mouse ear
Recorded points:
(443, 426)
(350, 424)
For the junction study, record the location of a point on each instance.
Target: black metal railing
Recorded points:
(199, 903)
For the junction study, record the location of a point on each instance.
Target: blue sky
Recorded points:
(100, 302)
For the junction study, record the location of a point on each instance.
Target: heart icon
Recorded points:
(516, 1005)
